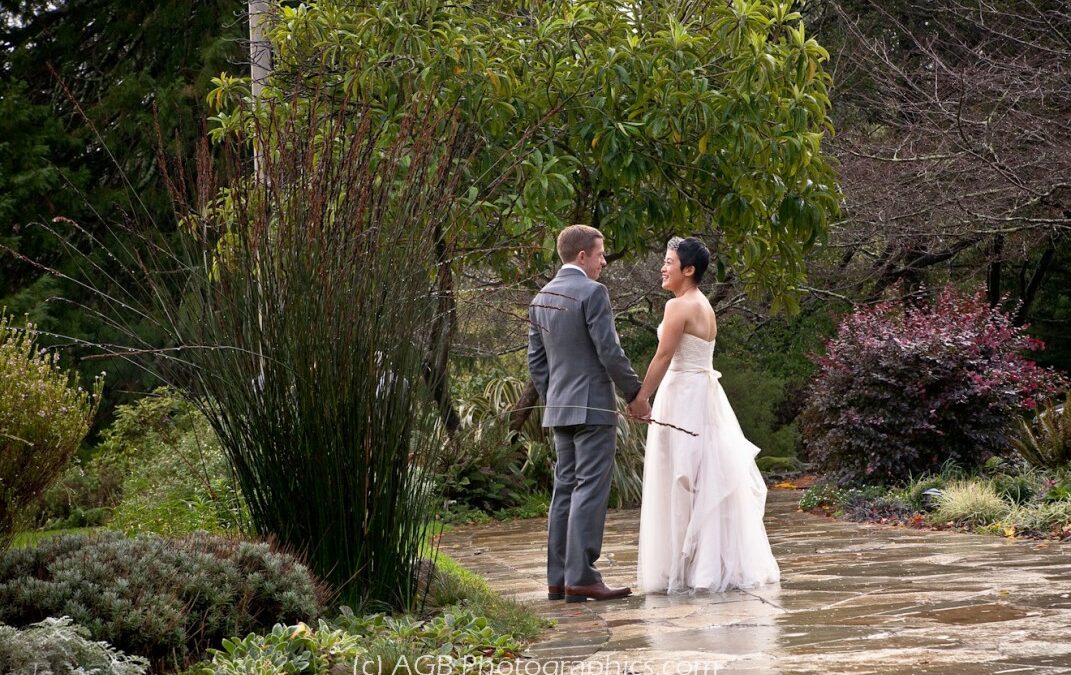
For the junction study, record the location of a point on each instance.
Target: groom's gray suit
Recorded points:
(575, 360)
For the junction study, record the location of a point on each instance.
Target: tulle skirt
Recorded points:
(703, 497)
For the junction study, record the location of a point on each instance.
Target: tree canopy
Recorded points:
(645, 119)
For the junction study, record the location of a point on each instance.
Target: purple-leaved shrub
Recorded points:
(901, 391)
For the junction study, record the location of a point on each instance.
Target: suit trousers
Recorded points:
(577, 514)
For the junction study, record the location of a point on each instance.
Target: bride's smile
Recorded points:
(674, 278)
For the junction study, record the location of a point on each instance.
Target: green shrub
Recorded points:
(44, 416)
(533, 505)
(59, 647)
(755, 395)
(1058, 490)
(286, 649)
(454, 587)
(997, 465)
(862, 509)
(771, 464)
(1018, 488)
(1045, 441)
(367, 644)
(969, 502)
(469, 634)
(84, 496)
(159, 468)
(160, 418)
(822, 496)
(831, 498)
(915, 492)
(492, 470)
(469, 625)
(177, 479)
(485, 470)
(167, 600)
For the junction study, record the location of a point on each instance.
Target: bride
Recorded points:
(703, 497)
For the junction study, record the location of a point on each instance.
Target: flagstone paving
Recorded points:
(852, 599)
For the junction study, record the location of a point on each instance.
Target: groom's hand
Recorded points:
(639, 408)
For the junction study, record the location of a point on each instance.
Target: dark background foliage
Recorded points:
(80, 144)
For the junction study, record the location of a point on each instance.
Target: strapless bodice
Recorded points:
(693, 353)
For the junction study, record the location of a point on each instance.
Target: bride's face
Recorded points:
(673, 278)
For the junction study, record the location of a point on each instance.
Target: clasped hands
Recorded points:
(639, 409)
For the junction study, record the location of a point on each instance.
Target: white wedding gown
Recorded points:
(703, 497)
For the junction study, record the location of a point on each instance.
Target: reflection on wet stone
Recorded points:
(853, 599)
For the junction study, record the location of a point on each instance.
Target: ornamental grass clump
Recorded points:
(309, 323)
(1043, 519)
(44, 416)
(901, 391)
(969, 502)
(297, 304)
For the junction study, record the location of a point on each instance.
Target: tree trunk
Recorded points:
(259, 63)
(996, 251)
(1029, 293)
(523, 408)
(259, 70)
(259, 45)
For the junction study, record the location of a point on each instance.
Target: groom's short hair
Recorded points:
(574, 239)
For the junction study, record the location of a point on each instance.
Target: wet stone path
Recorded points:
(852, 599)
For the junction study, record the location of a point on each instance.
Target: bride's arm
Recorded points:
(673, 321)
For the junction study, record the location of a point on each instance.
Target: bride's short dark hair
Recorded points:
(692, 253)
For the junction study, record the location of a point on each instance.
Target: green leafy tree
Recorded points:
(644, 119)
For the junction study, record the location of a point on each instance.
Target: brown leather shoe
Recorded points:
(555, 592)
(596, 591)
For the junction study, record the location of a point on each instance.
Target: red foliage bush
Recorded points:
(901, 391)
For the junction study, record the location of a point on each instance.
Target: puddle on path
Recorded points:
(973, 614)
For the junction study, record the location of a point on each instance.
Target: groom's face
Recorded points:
(593, 262)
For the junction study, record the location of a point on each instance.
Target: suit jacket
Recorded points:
(574, 355)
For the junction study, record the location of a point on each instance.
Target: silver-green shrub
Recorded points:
(60, 647)
(166, 599)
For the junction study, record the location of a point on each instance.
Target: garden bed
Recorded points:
(1005, 499)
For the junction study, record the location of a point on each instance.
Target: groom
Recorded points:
(575, 360)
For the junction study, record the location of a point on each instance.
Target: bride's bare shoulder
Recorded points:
(676, 305)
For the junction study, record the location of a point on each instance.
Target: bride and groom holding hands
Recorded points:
(703, 497)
